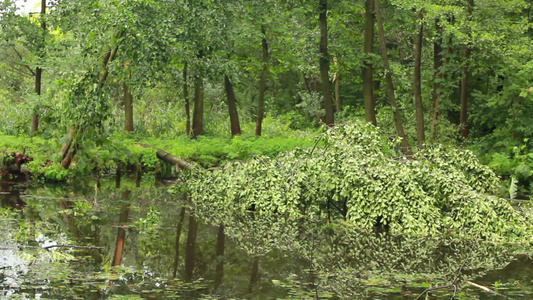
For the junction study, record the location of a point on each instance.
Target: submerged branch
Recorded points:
(437, 288)
(486, 289)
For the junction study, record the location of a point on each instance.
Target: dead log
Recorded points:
(169, 158)
(11, 166)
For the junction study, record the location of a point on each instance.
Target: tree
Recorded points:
(38, 69)
(417, 84)
(262, 84)
(324, 63)
(232, 106)
(464, 78)
(368, 79)
(388, 78)
(438, 76)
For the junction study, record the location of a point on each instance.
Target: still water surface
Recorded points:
(129, 240)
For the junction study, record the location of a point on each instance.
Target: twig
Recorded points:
(437, 288)
(454, 285)
(486, 289)
(72, 246)
(51, 246)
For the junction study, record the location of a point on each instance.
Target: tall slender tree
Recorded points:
(128, 104)
(262, 84)
(232, 106)
(198, 112)
(187, 102)
(368, 80)
(38, 69)
(465, 76)
(388, 78)
(324, 63)
(438, 76)
(417, 84)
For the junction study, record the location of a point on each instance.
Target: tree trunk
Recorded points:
(324, 63)
(198, 113)
(464, 79)
(438, 77)
(254, 275)
(368, 80)
(177, 242)
(169, 158)
(419, 108)
(190, 249)
(219, 273)
(68, 154)
(232, 106)
(262, 85)
(39, 70)
(128, 108)
(187, 104)
(121, 232)
(35, 117)
(337, 81)
(390, 85)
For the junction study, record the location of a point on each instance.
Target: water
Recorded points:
(100, 241)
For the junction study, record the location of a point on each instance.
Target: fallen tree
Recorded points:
(358, 176)
(169, 158)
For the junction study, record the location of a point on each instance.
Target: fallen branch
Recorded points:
(438, 288)
(484, 288)
(169, 158)
(51, 246)
(72, 246)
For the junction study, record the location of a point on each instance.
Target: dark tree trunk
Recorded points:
(464, 80)
(219, 273)
(128, 108)
(121, 232)
(177, 243)
(35, 117)
(198, 113)
(419, 108)
(438, 77)
(232, 106)
(187, 103)
(262, 85)
(390, 85)
(254, 275)
(324, 63)
(39, 70)
(368, 80)
(190, 249)
(68, 153)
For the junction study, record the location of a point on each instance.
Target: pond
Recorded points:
(131, 239)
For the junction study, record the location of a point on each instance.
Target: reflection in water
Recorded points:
(263, 257)
(177, 242)
(190, 248)
(221, 239)
(121, 232)
(10, 196)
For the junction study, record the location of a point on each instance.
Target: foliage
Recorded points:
(360, 176)
(513, 162)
